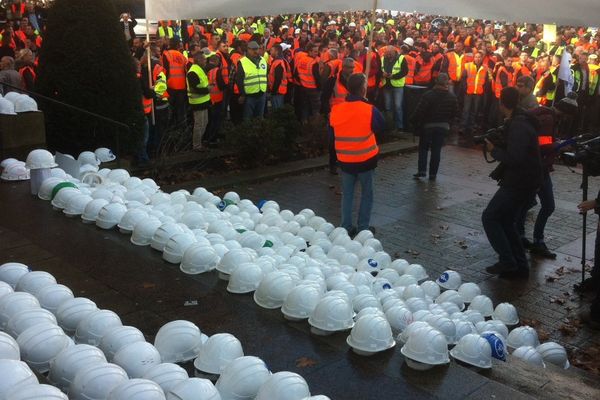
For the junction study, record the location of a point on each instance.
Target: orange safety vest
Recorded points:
(372, 78)
(216, 94)
(235, 58)
(411, 62)
(454, 66)
(335, 67)
(436, 72)
(146, 102)
(177, 63)
(22, 73)
(475, 78)
(245, 36)
(423, 77)
(287, 75)
(354, 140)
(224, 68)
(155, 71)
(498, 82)
(305, 72)
(522, 70)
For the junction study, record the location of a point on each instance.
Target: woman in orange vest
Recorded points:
(279, 75)
(354, 124)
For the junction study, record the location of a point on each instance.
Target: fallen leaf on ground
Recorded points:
(557, 300)
(304, 362)
(148, 285)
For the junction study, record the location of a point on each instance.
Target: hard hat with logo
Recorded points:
(41, 343)
(530, 355)
(497, 343)
(36, 392)
(193, 388)
(45, 192)
(522, 336)
(90, 213)
(118, 176)
(283, 385)
(331, 314)
(15, 374)
(136, 358)
(399, 317)
(15, 172)
(137, 389)
(178, 341)
(176, 247)
(96, 381)
(218, 351)
(34, 281)
(12, 272)
(40, 158)
(62, 197)
(473, 350)
(110, 215)
(104, 155)
(15, 303)
(468, 291)
(130, 219)
(245, 279)
(9, 348)
(371, 334)
(70, 361)
(70, 312)
(506, 313)
(301, 302)
(119, 337)
(166, 375)
(25, 104)
(483, 304)
(28, 318)
(7, 107)
(554, 353)
(427, 347)
(144, 231)
(449, 280)
(88, 157)
(242, 378)
(95, 325)
(273, 289)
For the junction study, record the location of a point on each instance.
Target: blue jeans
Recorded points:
(431, 139)
(366, 198)
(277, 101)
(546, 196)
(395, 96)
(254, 106)
(499, 222)
(470, 110)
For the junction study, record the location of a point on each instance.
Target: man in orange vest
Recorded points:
(475, 76)
(355, 124)
(217, 87)
(174, 64)
(309, 78)
(452, 64)
(279, 77)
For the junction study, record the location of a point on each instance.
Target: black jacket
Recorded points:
(435, 106)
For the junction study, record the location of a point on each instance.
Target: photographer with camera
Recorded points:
(519, 176)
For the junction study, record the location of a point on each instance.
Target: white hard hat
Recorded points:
(194, 220)
(199, 258)
(5, 289)
(40, 158)
(110, 215)
(431, 289)
(530, 355)
(88, 157)
(218, 351)
(130, 219)
(473, 316)
(102, 193)
(7, 107)
(444, 325)
(428, 347)
(12, 96)
(371, 334)
(70, 312)
(25, 104)
(483, 304)
(242, 378)
(473, 350)
(90, 213)
(104, 155)
(464, 328)
(468, 291)
(178, 341)
(413, 290)
(410, 329)
(506, 313)
(372, 244)
(95, 325)
(133, 182)
(118, 175)
(59, 172)
(399, 317)
(451, 296)
(409, 41)
(28, 318)
(143, 232)
(14, 303)
(368, 311)
(36, 392)
(136, 195)
(9, 348)
(449, 280)
(417, 271)
(41, 343)
(176, 247)
(383, 259)
(14, 374)
(497, 343)
(62, 197)
(379, 285)
(523, 336)
(193, 388)
(245, 279)
(406, 280)
(159, 198)
(119, 337)
(166, 375)
(415, 304)
(76, 204)
(283, 385)
(347, 288)
(96, 381)
(399, 265)
(12, 272)
(363, 301)
(70, 361)
(366, 264)
(15, 172)
(163, 234)
(137, 389)
(45, 191)
(273, 289)
(492, 326)
(300, 302)
(389, 274)
(8, 161)
(331, 314)
(34, 281)
(363, 235)
(554, 353)
(136, 358)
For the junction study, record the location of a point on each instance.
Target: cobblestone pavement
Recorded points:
(438, 224)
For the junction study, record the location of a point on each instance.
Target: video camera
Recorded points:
(586, 153)
(497, 136)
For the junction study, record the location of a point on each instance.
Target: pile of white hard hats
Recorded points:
(13, 169)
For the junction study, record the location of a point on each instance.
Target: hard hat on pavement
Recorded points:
(492, 325)
(62, 197)
(483, 304)
(431, 289)
(399, 317)
(76, 205)
(497, 343)
(331, 314)
(413, 290)
(118, 176)
(522, 336)
(15, 172)
(41, 343)
(40, 158)
(426, 348)
(7, 107)
(402, 338)
(130, 219)
(242, 378)
(110, 215)
(11, 272)
(300, 302)
(178, 341)
(554, 353)
(104, 155)
(464, 328)
(70, 312)
(368, 311)
(449, 280)
(70, 361)
(406, 280)
(136, 358)
(163, 234)
(5, 289)
(199, 258)
(28, 318)
(371, 334)
(283, 385)
(400, 265)
(96, 381)
(363, 301)
(417, 271)
(119, 337)
(506, 313)
(36, 392)
(9, 348)
(444, 325)
(176, 247)
(45, 191)
(60, 173)
(144, 231)
(166, 375)
(473, 350)
(25, 104)
(34, 281)
(137, 389)
(245, 279)
(273, 289)
(473, 316)
(8, 161)
(90, 213)
(88, 157)
(415, 304)
(15, 303)
(15, 374)
(451, 296)
(218, 351)
(468, 291)
(530, 355)
(95, 325)
(192, 389)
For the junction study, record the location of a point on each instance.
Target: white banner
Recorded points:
(562, 12)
